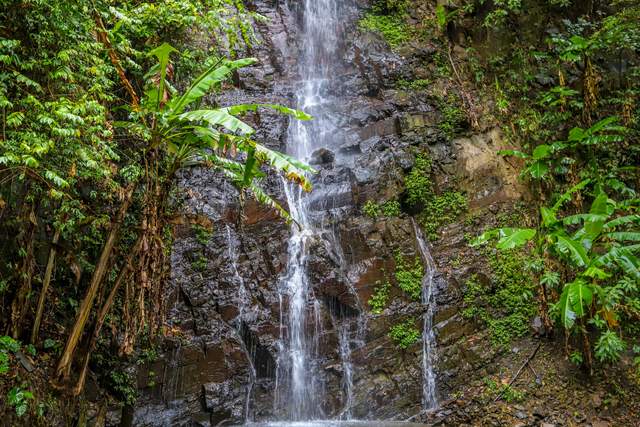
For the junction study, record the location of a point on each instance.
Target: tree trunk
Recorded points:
(126, 268)
(64, 365)
(45, 287)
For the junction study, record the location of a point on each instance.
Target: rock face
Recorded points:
(217, 366)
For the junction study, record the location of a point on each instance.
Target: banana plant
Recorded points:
(213, 137)
(597, 248)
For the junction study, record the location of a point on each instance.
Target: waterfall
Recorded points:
(429, 398)
(347, 369)
(298, 387)
(244, 302)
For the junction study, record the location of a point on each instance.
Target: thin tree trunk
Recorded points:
(45, 287)
(106, 307)
(64, 365)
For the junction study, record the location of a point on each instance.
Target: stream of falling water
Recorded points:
(244, 302)
(429, 398)
(298, 387)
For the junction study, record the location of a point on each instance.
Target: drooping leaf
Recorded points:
(267, 200)
(621, 221)
(596, 273)
(578, 218)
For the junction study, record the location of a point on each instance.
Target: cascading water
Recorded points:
(429, 398)
(347, 369)
(298, 388)
(244, 302)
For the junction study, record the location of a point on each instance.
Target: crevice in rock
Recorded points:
(262, 359)
(338, 309)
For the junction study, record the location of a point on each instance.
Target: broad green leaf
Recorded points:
(622, 236)
(541, 152)
(203, 84)
(538, 169)
(596, 273)
(622, 257)
(218, 117)
(162, 52)
(514, 237)
(574, 250)
(567, 315)
(514, 153)
(580, 296)
(600, 205)
(578, 218)
(484, 238)
(293, 168)
(242, 108)
(548, 217)
(621, 221)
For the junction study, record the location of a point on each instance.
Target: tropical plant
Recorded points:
(170, 138)
(596, 251)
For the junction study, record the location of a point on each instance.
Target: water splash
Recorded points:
(429, 398)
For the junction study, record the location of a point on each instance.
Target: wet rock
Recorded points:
(322, 157)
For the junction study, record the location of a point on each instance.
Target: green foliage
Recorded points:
(93, 124)
(380, 297)
(124, 385)
(609, 347)
(418, 184)
(454, 119)
(405, 334)
(595, 246)
(507, 392)
(387, 18)
(7, 346)
(200, 263)
(389, 209)
(413, 85)
(409, 276)
(437, 210)
(441, 210)
(507, 304)
(19, 399)
(203, 234)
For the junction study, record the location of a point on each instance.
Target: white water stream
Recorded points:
(429, 398)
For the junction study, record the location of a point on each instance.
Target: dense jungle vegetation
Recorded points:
(105, 101)
(97, 120)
